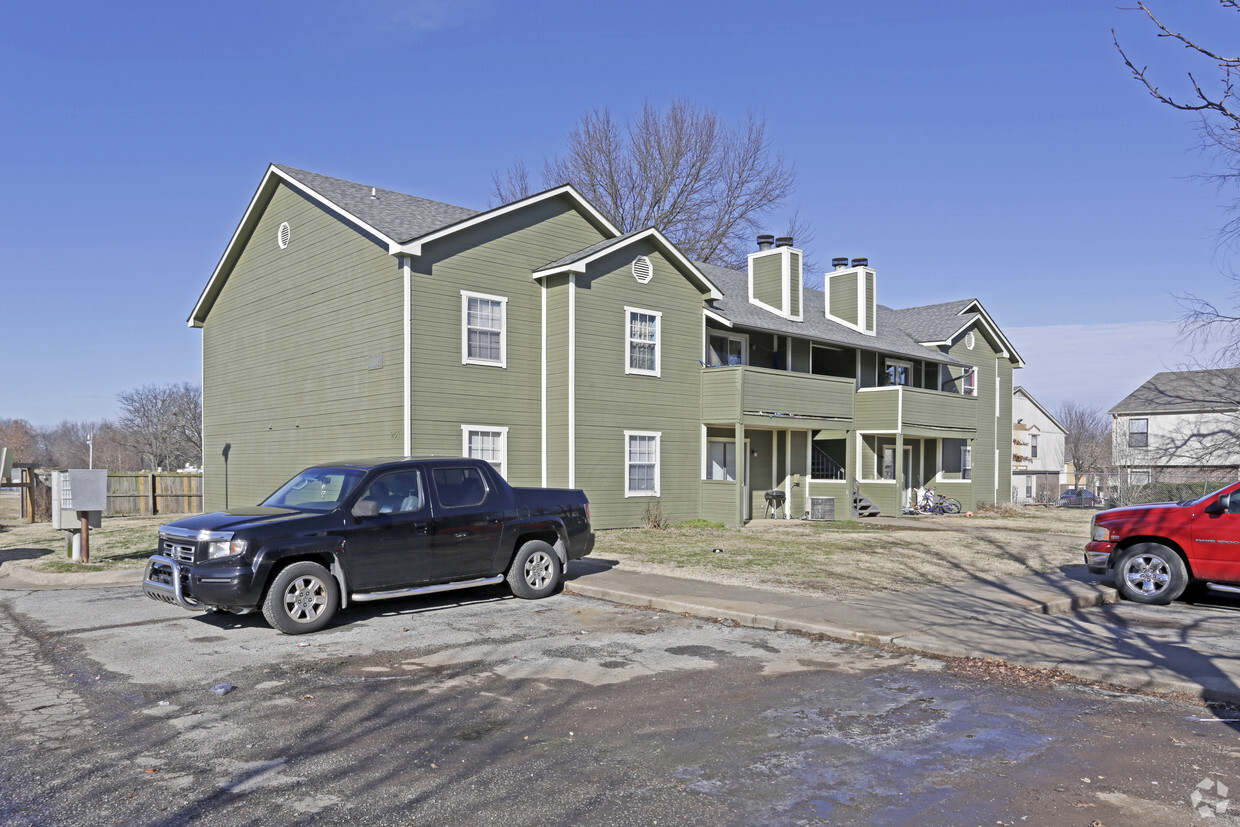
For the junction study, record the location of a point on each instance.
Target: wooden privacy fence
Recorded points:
(131, 495)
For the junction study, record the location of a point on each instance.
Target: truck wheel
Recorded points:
(303, 598)
(535, 571)
(1150, 573)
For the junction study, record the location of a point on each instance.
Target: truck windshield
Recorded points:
(316, 489)
(1212, 495)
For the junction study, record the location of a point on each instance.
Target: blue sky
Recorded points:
(972, 149)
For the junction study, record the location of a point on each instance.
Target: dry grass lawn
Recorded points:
(807, 558)
(860, 558)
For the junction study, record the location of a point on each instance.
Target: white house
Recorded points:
(1037, 450)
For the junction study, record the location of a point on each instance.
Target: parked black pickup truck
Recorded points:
(367, 531)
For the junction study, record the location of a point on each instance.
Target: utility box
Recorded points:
(78, 490)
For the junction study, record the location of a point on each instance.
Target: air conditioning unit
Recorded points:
(822, 508)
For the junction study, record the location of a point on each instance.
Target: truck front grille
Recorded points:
(179, 551)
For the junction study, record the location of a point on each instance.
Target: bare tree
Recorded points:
(163, 423)
(1218, 105)
(21, 438)
(1087, 441)
(706, 185)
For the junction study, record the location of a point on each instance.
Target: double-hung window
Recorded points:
(642, 334)
(483, 334)
(641, 463)
(966, 462)
(970, 382)
(486, 443)
(1138, 433)
(1033, 446)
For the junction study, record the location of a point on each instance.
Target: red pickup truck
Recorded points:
(1156, 550)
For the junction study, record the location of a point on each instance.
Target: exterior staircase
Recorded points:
(861, 506)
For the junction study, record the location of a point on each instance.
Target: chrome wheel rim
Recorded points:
(538, 570)
(305, 599)
(1147, 574)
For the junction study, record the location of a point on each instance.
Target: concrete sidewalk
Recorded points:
(1027, 621)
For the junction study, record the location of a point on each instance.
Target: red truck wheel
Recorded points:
(1150, 573)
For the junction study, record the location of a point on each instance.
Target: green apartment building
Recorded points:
(345, 321)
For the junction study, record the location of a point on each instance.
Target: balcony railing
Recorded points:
(900, 408)
(732, 391)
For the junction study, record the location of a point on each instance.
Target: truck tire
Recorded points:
(535, 571)
(303, 598)
(1150, 573)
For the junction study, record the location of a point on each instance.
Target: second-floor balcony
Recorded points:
(916, 410)
(732, 392)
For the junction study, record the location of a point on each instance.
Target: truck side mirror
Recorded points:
(366, 508)
(1222, 505)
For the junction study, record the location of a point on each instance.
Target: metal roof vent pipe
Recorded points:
(840, 262)
(860, 262)
(783, 241)
(765, 241)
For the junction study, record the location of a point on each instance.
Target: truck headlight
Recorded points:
(221, 543)
(1101, 534)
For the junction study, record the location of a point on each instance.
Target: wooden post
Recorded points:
(85, 515)
(154, 507)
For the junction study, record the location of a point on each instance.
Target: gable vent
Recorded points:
(643, 270)
(283, 236)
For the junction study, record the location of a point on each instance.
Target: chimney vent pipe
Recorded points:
(840, 262)
(783, 241)
(860, 262)
(765, 241)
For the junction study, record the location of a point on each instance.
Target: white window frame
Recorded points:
(466, 359)
(1134, 472)
(969, 382)
(628, 439)
(1144, 432)
(502, 431)
(629, 313)
(966, 462)
(1033, 446)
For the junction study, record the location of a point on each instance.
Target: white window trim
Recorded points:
(466, 430)
(964, 383)
(658, 450)
(466, 359)
(628, 343)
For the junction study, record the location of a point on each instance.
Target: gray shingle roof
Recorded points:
(890, 337)
(589, 251)
(398, 216)
(1185, 390)
(934, 322)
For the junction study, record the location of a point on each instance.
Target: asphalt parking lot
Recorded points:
(482, 709)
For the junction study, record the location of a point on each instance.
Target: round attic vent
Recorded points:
(283, 236)
(643, 271)
(970, 340)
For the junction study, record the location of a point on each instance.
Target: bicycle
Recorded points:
(932, 503)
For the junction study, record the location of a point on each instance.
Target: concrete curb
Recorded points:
(1021, 622)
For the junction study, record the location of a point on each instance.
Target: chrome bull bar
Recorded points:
(159, 590)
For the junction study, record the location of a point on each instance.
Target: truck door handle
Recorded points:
(460, 535)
